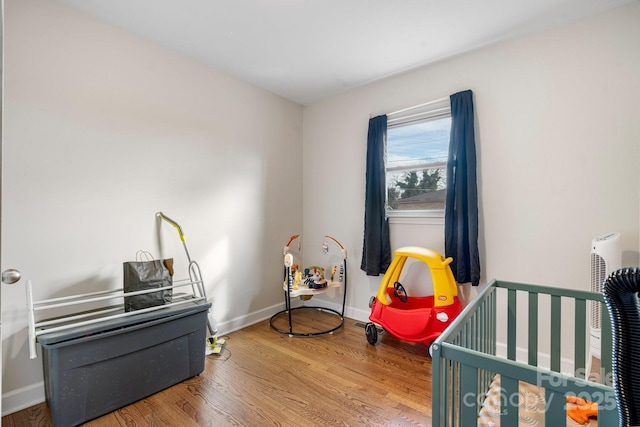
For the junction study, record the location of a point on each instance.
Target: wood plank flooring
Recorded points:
(264, 378)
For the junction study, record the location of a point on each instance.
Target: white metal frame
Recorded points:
(62, 323)
(94, 316)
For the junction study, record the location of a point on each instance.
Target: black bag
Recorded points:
(140, 275)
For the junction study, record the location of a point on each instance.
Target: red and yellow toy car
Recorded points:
(414, 318)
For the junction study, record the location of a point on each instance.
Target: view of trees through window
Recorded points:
(416, 165)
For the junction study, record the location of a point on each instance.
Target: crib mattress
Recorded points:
(531, 411)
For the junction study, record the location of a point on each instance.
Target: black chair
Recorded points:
(621, 295)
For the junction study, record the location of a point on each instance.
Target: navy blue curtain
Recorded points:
(461, 209)
(376, 249)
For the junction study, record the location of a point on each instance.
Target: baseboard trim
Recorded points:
(240, 322)
(22, 398)
(350, 312)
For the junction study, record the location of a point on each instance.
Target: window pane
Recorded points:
(416, 165)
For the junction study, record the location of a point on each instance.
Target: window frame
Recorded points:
(429, 111)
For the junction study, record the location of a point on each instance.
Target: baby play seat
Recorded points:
(414, 318)
(305, 282)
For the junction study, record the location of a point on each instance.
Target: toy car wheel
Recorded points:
(373, 298)
(372, 333)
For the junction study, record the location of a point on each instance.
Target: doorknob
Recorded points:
(10, 276)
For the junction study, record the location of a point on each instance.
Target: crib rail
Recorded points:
(483, 341)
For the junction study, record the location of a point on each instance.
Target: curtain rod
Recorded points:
(418, 106)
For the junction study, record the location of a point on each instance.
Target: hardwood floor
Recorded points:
(265, 378)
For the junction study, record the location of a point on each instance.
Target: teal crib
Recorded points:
(491, 340)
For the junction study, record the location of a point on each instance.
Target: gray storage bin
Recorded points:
(92, 370)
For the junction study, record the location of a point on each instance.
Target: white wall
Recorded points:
(103, 130)
(558, 137)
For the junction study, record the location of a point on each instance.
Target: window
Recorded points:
(416, 163)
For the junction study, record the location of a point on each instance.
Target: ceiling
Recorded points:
(306, 50)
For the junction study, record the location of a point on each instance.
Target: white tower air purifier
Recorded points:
(606, 257)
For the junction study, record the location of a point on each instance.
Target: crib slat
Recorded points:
(607, 411)
(481, 345)
(580, 340)
(438, 388)
(556, 325)
(508, 401)
(512, 331)
(555, 414)
(606, 343)
(533, 328)
(468, 392)
(453, 398)
(473, 339)
(494, 323)
(491, 316)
